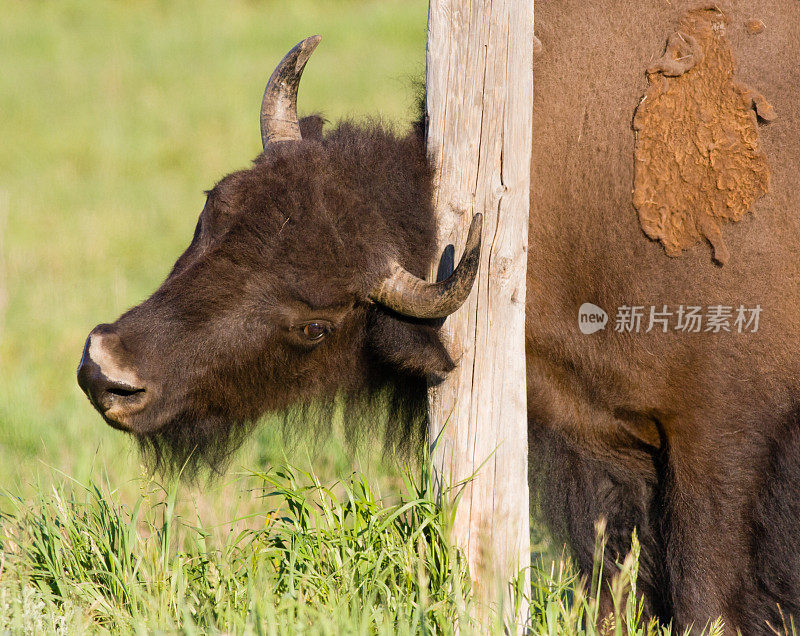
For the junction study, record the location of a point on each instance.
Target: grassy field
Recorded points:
(114, 117)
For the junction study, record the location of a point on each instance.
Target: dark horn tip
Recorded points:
(474, 233)
(476, 224)
(304, 49)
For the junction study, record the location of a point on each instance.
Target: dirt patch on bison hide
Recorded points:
(698, 159)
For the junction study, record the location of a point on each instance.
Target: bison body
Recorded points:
(692, 438)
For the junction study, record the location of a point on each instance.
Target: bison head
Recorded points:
(302, 282)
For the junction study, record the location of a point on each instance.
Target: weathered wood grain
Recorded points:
(479, 107)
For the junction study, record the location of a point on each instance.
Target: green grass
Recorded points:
(323, 559)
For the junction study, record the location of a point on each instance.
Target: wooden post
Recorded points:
(479, 109)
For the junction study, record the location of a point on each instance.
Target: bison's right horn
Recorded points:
(411, 296)
(279, 107)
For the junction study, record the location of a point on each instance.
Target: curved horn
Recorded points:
(411, 296)
(279, 106)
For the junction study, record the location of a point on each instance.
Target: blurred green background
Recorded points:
(114, 118)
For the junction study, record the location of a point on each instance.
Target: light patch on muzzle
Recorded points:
(109, 366)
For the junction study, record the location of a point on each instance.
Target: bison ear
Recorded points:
(311, 127)
(414, 347)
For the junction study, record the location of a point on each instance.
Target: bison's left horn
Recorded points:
(279, 107)
(411, 296)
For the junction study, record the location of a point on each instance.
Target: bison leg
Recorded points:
(710, 486)
(577, 489)
(775, 537)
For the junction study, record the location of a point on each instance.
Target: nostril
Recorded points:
(122, 391)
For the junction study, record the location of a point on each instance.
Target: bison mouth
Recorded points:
(120, 404)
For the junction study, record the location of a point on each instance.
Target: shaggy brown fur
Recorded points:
(301, 236)
(694, 439)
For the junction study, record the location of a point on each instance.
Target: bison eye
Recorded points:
(314, 331)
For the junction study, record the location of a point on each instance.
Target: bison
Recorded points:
(304, 282)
